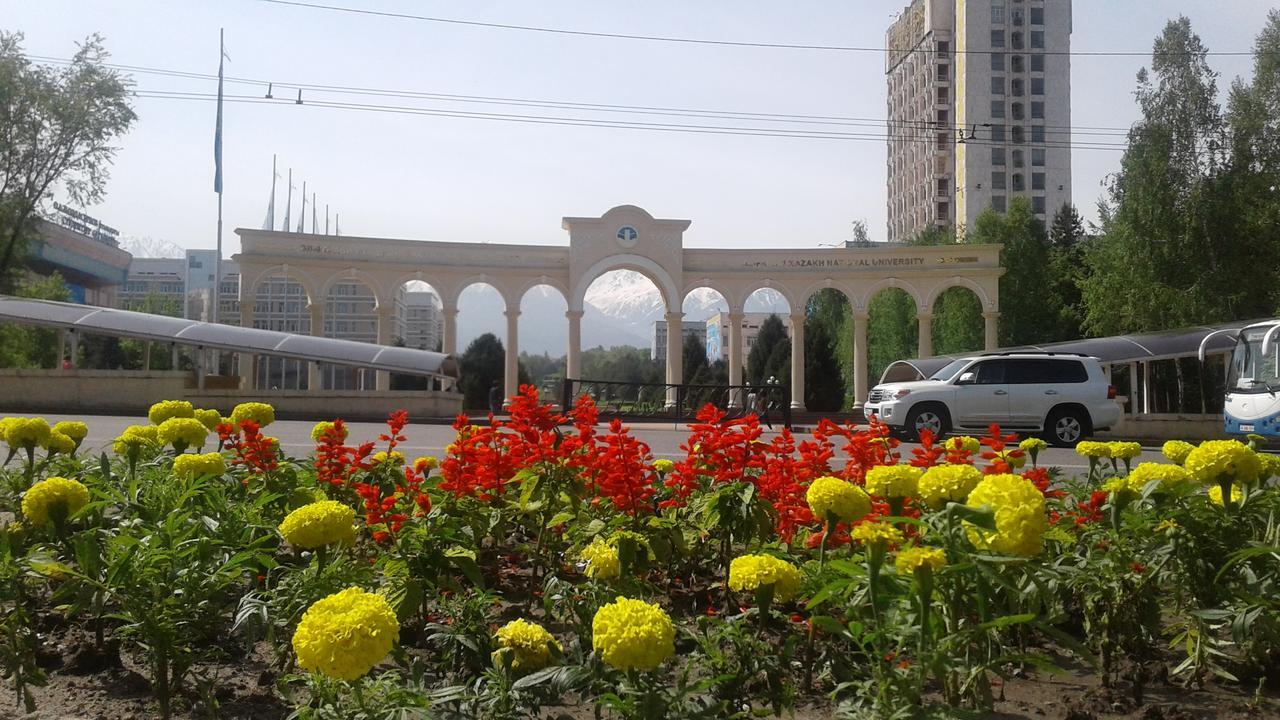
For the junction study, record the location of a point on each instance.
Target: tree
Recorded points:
(694, 358)
(59, 126)
(1027, 313)
(27, 346)
(824, 387)
(770, 355)
(1067, 229)
(482, 365)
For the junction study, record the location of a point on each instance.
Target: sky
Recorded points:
(445, 178)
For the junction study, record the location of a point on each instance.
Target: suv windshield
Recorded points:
(1250, 372)
(949, 371)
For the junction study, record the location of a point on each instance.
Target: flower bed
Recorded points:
(547, 565)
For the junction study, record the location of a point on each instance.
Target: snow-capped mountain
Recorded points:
(150, 247)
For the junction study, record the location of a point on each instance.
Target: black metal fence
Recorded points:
(661, 401)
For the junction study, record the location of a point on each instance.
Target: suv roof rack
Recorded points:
(1034, 352)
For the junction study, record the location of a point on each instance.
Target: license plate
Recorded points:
(1246, 428)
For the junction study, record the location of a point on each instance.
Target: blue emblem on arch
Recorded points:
(627, 234)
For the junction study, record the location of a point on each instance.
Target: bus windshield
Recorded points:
(950, 370)
(1250, 372)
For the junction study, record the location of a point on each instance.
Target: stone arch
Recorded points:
(965, 282)
(873, 289)
(661, 279)
(719, 287)
(531, 283)
(398, 281)
(301, 277)
(768, 283)
(826, 284)
(510, 301)
(379, 294)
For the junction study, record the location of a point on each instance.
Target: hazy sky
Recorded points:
(472, 180)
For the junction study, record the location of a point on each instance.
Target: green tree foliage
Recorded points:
(543, 368)
(60, 125)
(957, 322)
(23, 346)
(1027, 312)
(830, 308)
(623, 364)
(770, 355)
(694, 358)
(1191, 224)
(481, 365)
(891, 330)
(824, 386)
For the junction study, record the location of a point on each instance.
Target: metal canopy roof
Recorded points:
(161, 328)
(1114, 350)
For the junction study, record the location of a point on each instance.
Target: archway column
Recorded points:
(924, 332)
(314, 383)
(989, 327)
(573, 358)
(735, 357)
(675, 355)
(386, 320)
(797, 361)
(449, 337)
(860, 387)
(511, 383)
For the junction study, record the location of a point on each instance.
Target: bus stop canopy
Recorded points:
(230, 338)
(1113, 350)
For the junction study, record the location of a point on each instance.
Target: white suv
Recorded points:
(1065, 397)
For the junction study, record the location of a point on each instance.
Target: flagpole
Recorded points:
(270, 222)
(217, 147)
(326, 218)
(302, 216)
(313, 213)
(288, 203)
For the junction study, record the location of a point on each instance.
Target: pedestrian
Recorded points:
(495, 398)
(66, 362)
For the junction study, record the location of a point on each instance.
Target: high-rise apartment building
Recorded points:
(979, 110)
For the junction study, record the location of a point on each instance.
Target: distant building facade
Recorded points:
(419, 323)
(692, 329)
(979, 110)
(717, 331)
(83, 251)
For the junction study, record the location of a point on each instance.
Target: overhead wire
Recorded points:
(789, 118)
(692, 40)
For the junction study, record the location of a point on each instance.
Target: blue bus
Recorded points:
(1252, 402)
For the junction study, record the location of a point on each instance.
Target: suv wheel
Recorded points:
(933, 418)
(1065, 428)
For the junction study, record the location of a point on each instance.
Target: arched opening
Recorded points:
(624, 341)
(706, 354)
(957, 321)
(891, 330)
(482, 339)
(766, 338)
(350, 313)
(828, 351)
(418, 323)
(280, 303)
(544, 335)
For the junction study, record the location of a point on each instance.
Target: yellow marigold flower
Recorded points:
(182, 433)
(632, 635)
(77, 431)
(531, 646)
(1215, 494)
(751, 572)
(1032, 444)
(893, 481)
(261, 413)
(134, 439)
(210, 419)
(831, 497)
(1124, 486)
(52, 498)
(912, 559)
(1125, 450)
(1013, 461)
(663, 465)
(1019, 514)
(942, 484)
(166, 409)
(396, 457)
(876, 533)
(1094, 449)
(59, 443)
(26, 433)
(425, 464)
(345, 634)
(1177, 450)
(1171, 477)
(601, 559)
(3, 422)
(320, 523)
(1270, 465)
(1217, 460)
(190, 465)
(963, 442)
(324, 426)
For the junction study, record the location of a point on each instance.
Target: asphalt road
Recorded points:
(663, 438)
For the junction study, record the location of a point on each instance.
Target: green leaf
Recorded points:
(560, 518)
(1007, 620)
(984, 517)
(456, 551)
